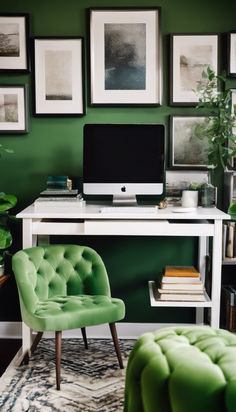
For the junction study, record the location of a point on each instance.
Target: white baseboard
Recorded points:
(12, 330)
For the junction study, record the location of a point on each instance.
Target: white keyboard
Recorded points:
(129, 209)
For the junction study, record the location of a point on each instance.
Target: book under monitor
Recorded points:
(181, 271)
(180, 279)
(182, 297)
(182, 286)
(181, 292)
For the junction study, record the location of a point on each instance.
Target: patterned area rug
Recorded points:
(91, 379)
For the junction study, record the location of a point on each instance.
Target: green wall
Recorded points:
(54, 146)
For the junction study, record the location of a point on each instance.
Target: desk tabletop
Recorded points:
(92, 211)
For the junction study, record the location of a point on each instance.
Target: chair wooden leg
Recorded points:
(58, 358)
(116, 344)
(36, 342)
(83, 330)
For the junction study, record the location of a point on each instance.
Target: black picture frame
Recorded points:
(186, 69)
(14, 109)
(116, 79)
(59, 76)
(182, 137)
(231, 53)
(14, 45)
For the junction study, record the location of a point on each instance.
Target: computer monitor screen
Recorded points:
(123, 159)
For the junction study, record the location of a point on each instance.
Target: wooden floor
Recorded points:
(8, 349)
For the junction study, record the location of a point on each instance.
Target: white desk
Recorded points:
(87, 220)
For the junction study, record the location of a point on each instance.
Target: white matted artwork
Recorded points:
(13, 109)
(186, 149)
(125, 56)
(191, 54)
(59, 88)
(233, 101)
(231, 67)
(179, 180)
(14, 36)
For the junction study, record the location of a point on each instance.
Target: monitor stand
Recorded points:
(129, 200)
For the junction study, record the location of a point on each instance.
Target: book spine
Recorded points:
(229, 297)
(230, 244)
(224, 233)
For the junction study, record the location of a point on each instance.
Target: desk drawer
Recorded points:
(58, 228)
(125, 227)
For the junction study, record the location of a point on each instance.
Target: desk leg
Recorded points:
(202, 251)
(29, 240)
(216, 274)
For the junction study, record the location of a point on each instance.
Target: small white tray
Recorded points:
(184, 209)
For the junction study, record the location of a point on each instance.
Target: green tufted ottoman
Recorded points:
(182, 369)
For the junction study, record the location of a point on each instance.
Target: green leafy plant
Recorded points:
(232, 211)
(7, 202)
(218, 126)
(194, 186)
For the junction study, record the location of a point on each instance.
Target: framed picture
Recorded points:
(59, 76)
(186, 149)
(231, 54)
(179, 180)
(233, 101)
(13, 109)
(14, 43)
(190, 54)
(233, 111)
(125, 56)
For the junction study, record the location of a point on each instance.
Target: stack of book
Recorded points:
(59, 193)
(181, 283)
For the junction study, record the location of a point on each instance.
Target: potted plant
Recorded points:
(190, 195)
(6, 202)
(218, 126)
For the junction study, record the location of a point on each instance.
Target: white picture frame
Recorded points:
(190, 55)
(233, 102)
(13, 109)
(59, 76)
(231, 54)
(125, 56)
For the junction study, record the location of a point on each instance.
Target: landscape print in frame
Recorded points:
(191, 54)
(13, 109)
(233, 102)
(179, 180)
(125, 56)
(231, 54)
(58, 69)
(14, 43)
(187, 151)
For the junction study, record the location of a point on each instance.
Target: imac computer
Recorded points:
(123, 160)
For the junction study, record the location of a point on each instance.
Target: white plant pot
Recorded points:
(190, 198)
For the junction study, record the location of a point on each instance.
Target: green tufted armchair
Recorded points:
(65, 287)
